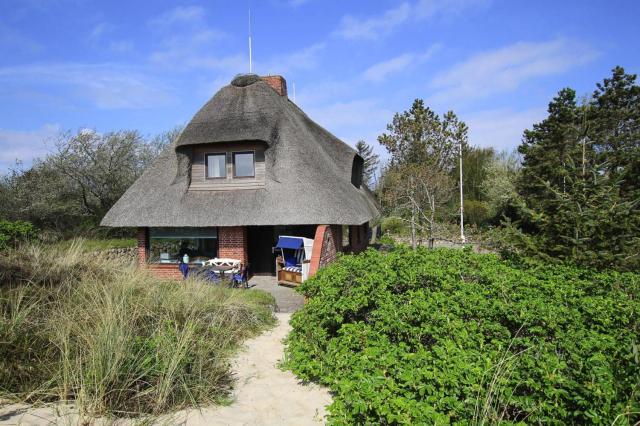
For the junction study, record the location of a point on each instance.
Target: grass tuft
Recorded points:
(113, 339)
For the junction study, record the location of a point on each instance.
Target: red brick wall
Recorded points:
(166, 271)
(143, 245)
(232, 243)
(277, 82)
(326, 245)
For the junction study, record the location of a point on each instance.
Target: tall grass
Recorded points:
(114, 340)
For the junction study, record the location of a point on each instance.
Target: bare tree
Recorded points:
(417, 180)
(417, 193)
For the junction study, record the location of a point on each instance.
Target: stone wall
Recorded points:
(125, 254)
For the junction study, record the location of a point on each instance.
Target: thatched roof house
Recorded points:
(248, 167)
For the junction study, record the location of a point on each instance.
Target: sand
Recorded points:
(263, 395)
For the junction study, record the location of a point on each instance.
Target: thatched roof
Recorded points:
(308, 170)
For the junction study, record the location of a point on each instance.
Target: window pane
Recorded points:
(169, 245)
(172, 250)
(216, 165)
(183, 232)
(243, 164)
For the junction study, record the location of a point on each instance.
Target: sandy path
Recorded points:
(264, 394)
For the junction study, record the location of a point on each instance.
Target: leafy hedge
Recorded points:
(12, 233)
(450, 336)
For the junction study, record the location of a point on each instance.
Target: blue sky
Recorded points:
(109, 65)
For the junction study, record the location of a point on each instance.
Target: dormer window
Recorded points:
(244, 164)
(228, 166)
(216, 166)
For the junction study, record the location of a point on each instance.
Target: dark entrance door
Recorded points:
(261, 240)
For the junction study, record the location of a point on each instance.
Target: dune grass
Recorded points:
(114, 340)
(91, 245)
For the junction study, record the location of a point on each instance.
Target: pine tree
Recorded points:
(371, 161)
(580, 176)
(423, 150)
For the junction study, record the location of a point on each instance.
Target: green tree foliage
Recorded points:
(73, 187)
(476, 162)
(475, 167)
(371, 161)
(451, 336)
(580, 176)
(423, 150)
(499, 185)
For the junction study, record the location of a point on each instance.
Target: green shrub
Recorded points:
(476, 212)
(393, 225)
(451, 336)
(13, 233)
(114, 340)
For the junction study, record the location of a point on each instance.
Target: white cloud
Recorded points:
(380, 25)
(178, 15)
(381, 70)
(350, 113)
(352, 120)
(107, 86)
(303, 59)
(99, 30)
(374, 27)
(191, 50)
(25, 145)
(122, 46)
(507, 68)
(431, 8)
(501, 128)
(11, 40)
(186, 42)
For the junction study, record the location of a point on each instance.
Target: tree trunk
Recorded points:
(413, 226)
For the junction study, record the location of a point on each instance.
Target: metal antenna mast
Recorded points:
(250, 64)
(462, 237)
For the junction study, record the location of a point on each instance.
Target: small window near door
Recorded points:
(216, 166)
(244, 164)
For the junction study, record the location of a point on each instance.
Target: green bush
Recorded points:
(450, 336)
(112, 339)
(393, 225)
(476, 212)
(13, 233)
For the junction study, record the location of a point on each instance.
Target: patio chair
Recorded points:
(241, 277)
(212, 276)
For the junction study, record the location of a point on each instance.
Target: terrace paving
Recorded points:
(287, 299)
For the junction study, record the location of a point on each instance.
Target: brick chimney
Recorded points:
(277, 83)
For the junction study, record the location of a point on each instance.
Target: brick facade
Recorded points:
(165, 271)
(143, 246)
(232, 243)
(277, 82)
(327, 243)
